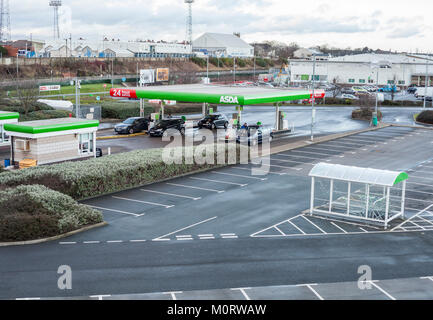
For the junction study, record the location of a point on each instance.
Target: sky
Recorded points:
(386, 24)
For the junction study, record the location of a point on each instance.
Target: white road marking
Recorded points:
(295, 156)
(381, 290)
(363, 230)
(321, 230)
(427, 278)
(338, 227)
(356, 145)
(27, 299)
(91, 242)
(188, 227)
(67, 242)
(191, 187)
(291, 161)
(278, 166)
(219, 181)
(418, 214)
(268, 172)
(318, 153)
(239, 175)
(137, 241)
(101, 296)
(421, 184)
(119, 211)
(173, 294)
(115, 241)
(145, 202)
(279, 230)
(299, 229)
(310, 286)
(171, 194)
(230, 237)
(242, 290)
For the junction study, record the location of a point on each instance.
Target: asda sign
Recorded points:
(229, 99)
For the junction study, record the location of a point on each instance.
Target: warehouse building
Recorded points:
(362, 69)
(222, 45)
(54, 140)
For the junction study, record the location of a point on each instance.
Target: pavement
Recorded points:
(227, 228)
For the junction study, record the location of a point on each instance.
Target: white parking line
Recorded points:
(381, 290)
(219, 181)
(278, 166)
(409, 190)
(322, 154)
(361, 140)
(421, 184)
(268, 172)
(333, 149)
(161, 238)
(242, 290)
(239, 175)
(295, 156)
(145, 202)
(310, 286)
(191, 187)
(171, 194)
(338, 227)
(173, 294)
(291, 161)
(119, 211)
(348, 145)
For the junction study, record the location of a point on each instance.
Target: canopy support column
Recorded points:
(94, 144)
(349, 193)
(240, 115)
(331, 194)
(203, 110)
(277, 116)
(162, 110)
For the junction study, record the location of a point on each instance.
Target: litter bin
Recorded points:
(375, 122)
(7, 163)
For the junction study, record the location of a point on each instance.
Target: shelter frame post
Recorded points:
(349, 192)
(313, 181)
(388, 194)
(403, 199)
(367, 199)
(162, 110)
(94, 144)
(203, 110)
(240, 115)
(331, 194)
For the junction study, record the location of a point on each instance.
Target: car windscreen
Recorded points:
(129, 121)
(162, 123)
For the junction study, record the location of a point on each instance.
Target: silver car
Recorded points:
(254, 134)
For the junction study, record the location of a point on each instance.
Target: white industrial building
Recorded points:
(114, 49)
(222, 45)
(362, 69)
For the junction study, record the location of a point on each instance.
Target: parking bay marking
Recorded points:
(321, 154)
(119, 211)
(267, 172)
(192, 187)
(218, 181)
(146, 202)
(163, 238)
(171, 194)
(239, 175)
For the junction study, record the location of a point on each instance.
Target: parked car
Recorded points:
(348, 91)
(348, 96)
(254, 134)
(132, 125)
(412, 90)
(162, 126)
(213, 121)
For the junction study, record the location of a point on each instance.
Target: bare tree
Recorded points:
(27, 93)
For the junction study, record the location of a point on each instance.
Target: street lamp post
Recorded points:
(426, 85)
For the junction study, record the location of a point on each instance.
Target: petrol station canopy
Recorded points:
(216, 94)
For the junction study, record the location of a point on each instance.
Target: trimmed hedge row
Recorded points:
(45, 114)
(116, 110)
(82, 179)
(31, 212)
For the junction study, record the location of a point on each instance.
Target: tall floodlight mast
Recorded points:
(56, 4)
(5, 21)
(189, 22)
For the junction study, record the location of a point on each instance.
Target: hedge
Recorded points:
(116, 110)
(31, 212)
(82, 179)
(45, 114)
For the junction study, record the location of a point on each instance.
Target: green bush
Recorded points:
(241, 63)
(331, 100)
(116, 110)
(45, 114)
(199, 61)
(15, 106)
(425, 117)
(93, 177)
(261, 62)
(30, 212)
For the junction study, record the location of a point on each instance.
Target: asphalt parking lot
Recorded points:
(226, 228)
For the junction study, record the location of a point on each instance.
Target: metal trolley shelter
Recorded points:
(365, 195)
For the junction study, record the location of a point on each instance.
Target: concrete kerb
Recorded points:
(121, 136)
(61, 236)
